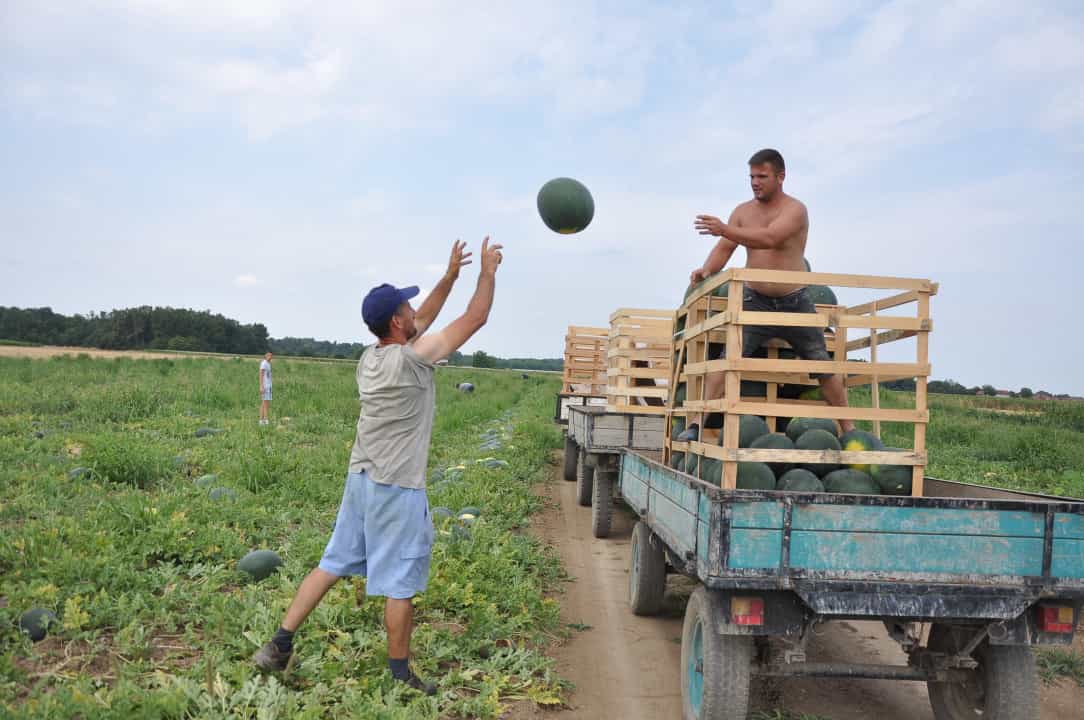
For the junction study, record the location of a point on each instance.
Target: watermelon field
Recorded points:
(130, 489)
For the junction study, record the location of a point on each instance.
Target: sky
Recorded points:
(273, 160)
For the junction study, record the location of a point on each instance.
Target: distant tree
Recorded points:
(481, 359)
(989, 390)
(1025, 392)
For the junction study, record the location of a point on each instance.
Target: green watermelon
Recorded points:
(679, 395)
(711, 470)
(822, 295)
(691, 463)
(76, 473)
(799, 480)
(260, 563)
(752, 427)
(860, 441)
(677, 461)
(36, 622)
(893, 479)
(206, 480)
(755, 476)
(817, 439)
(441, 514)
(469, 510)
(775, 441)
(677, 426)
(853, 482)
(566, 205)
(222, 493)
(721, 291)
(798, 426)
(205, 431)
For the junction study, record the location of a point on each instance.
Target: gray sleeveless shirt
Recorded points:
(398, 400)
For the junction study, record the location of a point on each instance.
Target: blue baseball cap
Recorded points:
(382, 302)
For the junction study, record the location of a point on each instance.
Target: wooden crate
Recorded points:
(704, 319)
(639, 360)
(585, 361)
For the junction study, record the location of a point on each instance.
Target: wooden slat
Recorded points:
(873, 282)
(807, 366)
(882, 338)
(790, 409)
(811, 457)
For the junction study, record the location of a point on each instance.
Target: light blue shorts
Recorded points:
(383, 533)
(266, 394)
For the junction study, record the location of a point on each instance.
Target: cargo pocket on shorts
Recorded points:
(419, 539)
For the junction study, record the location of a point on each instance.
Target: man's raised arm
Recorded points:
(439, 345)
(433, 304)
(772, 237)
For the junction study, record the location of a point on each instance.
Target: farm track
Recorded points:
(624, 666)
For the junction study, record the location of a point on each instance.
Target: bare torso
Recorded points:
(756, 214)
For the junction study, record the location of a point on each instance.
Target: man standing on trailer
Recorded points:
(773, 228)
(383, 531)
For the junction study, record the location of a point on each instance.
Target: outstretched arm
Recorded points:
(719, 255)
(433, 304)
(439, 345)
(789, 223)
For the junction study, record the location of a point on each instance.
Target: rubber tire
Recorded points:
(602, 503)
(572, 453)
(647, 572)
(585, 479)
(1006, 688)
(725, 663)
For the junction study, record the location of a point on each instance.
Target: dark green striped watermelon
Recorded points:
(822, 295)
(755, 476)
(853, 482)
(860, 441)
(798, 426)
(817, 439)
(774, 441)
(35, 623)
(260, 563)
(566, 205)
(893, 479)
(799, 480)
(677, 461)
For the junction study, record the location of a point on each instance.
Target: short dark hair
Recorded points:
(770, 156)
(382, 329)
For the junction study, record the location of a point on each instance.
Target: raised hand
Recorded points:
(710, 225)
(458, 260)
(491, 256)
(696, 276)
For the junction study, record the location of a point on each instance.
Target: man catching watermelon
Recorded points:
(383, 531)
(772, 227)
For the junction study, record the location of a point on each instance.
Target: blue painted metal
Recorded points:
(751, 549)
(946, 521)
(679, 521)
(762, 515)
(910, 553)
(1068, 526)
(1068, 559)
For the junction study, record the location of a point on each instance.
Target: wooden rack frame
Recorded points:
(639, 361)
(705, 319)
(585, 361)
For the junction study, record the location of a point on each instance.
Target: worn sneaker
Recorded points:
(420, 685)
(690, 434)
(270, 659)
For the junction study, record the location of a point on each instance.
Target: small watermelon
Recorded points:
(206, 480)
(76, 473)
(205, 431)
(465, 387)
(222, 493)
(854, 482)
(35, 623)
(565, 205)
(860, 441)
(817, 439)
(260, 563)
(441, 514)
(798, 426)
(755, 476)
(799, 480)
(775, 441)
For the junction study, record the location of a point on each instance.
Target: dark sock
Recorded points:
(284, 640)
(400, 669)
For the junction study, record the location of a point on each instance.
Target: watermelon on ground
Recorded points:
(35, 623)
(860, 441)
(206, 480)
(755, 476)
(260, 563)
(817, 439)
(775, 441)
(799, 480)
(222, 493)
(849, 481)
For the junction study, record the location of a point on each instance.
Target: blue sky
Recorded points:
(273, 160)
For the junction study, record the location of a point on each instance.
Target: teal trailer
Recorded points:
(966, 585)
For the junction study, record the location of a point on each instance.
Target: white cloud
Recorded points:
(246, 281)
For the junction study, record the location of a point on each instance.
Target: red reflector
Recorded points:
(1055, 619)
(747, 611)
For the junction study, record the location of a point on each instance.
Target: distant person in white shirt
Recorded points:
(265, 387)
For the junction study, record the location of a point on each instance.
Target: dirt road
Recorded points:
(627, 667)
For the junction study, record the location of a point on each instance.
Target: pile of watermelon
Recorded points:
(804, 434)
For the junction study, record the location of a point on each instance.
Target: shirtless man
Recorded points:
(772, 227)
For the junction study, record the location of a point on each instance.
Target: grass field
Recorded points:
(139, 562)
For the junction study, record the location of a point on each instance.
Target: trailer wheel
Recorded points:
(715, 668)
(572, 452)
(1002, 687)
(647, 572)
(602, 504)
(585, 477)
